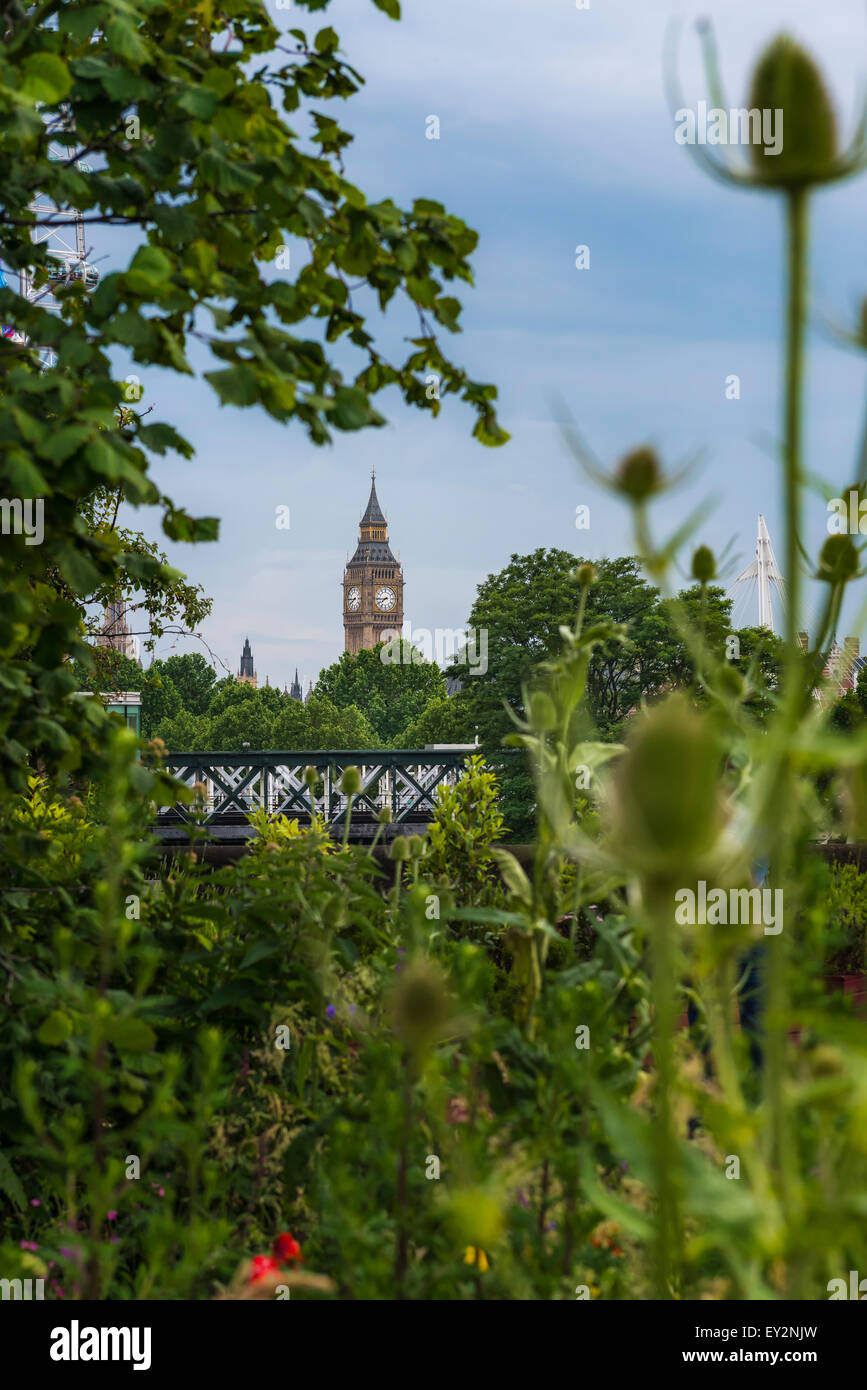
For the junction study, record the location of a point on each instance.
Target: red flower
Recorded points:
(287, 1250)
(263, 1265)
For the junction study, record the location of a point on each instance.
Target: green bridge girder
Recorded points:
(236, 783)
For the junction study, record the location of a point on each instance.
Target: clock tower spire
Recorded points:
(372, 583)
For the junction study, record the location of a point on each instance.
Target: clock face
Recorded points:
(385, 598)
(353, 599)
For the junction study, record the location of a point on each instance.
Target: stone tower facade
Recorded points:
(247, 674)
(115, 632)
(372, 584)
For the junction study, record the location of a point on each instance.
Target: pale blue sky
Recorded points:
(555, 131)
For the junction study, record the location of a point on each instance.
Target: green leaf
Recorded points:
(233, 992)
(46, 78)
(447, 311)
(151, 264)
(125, 41)
(159, 437)
(237, 385)
(226, 175)
(81, 23)
(325, 41)
(513, 875)
(389, 7)
(351, 409)
(260, 951)
(60, 445)
(56, 1029)
(81, 576)
(199, 101)
(10, 1184)
(132, 1035)
(21, 477)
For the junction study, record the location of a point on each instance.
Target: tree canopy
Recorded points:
(171, 118)
(523, 607)
(392, 693)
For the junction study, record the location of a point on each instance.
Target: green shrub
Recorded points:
(847, 920)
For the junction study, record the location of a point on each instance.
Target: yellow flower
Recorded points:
(472, 1256)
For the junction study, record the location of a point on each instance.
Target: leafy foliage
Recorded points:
(391, 693)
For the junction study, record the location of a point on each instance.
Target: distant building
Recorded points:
(247, 674)
(841, 670)
(295, 688)
(115, 632)
(842, 667)
(372, 584)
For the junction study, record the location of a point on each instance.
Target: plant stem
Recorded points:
(667, 1158)
(348, 821)
(780, 1151)
(543, 1208)
(797, 224)
(401, 1257)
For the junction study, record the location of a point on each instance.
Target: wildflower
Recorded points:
(639, 475)
(602, 1237)
(112, 1215)
(787, 82)
(584, 575)
(35, 1202)
(262, 1266)
(474, 1256)
(350, 782)
(666, 803)
(287, 1249)
(787, 79)
(838, 560)
(704, 565)
(420, 1004)
(330, 1011)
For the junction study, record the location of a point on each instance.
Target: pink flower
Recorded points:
(35, 1202)
(112, 1215)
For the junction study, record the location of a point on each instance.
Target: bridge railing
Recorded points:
(234, 784)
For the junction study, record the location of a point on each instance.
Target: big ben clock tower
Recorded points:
(372, 583)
